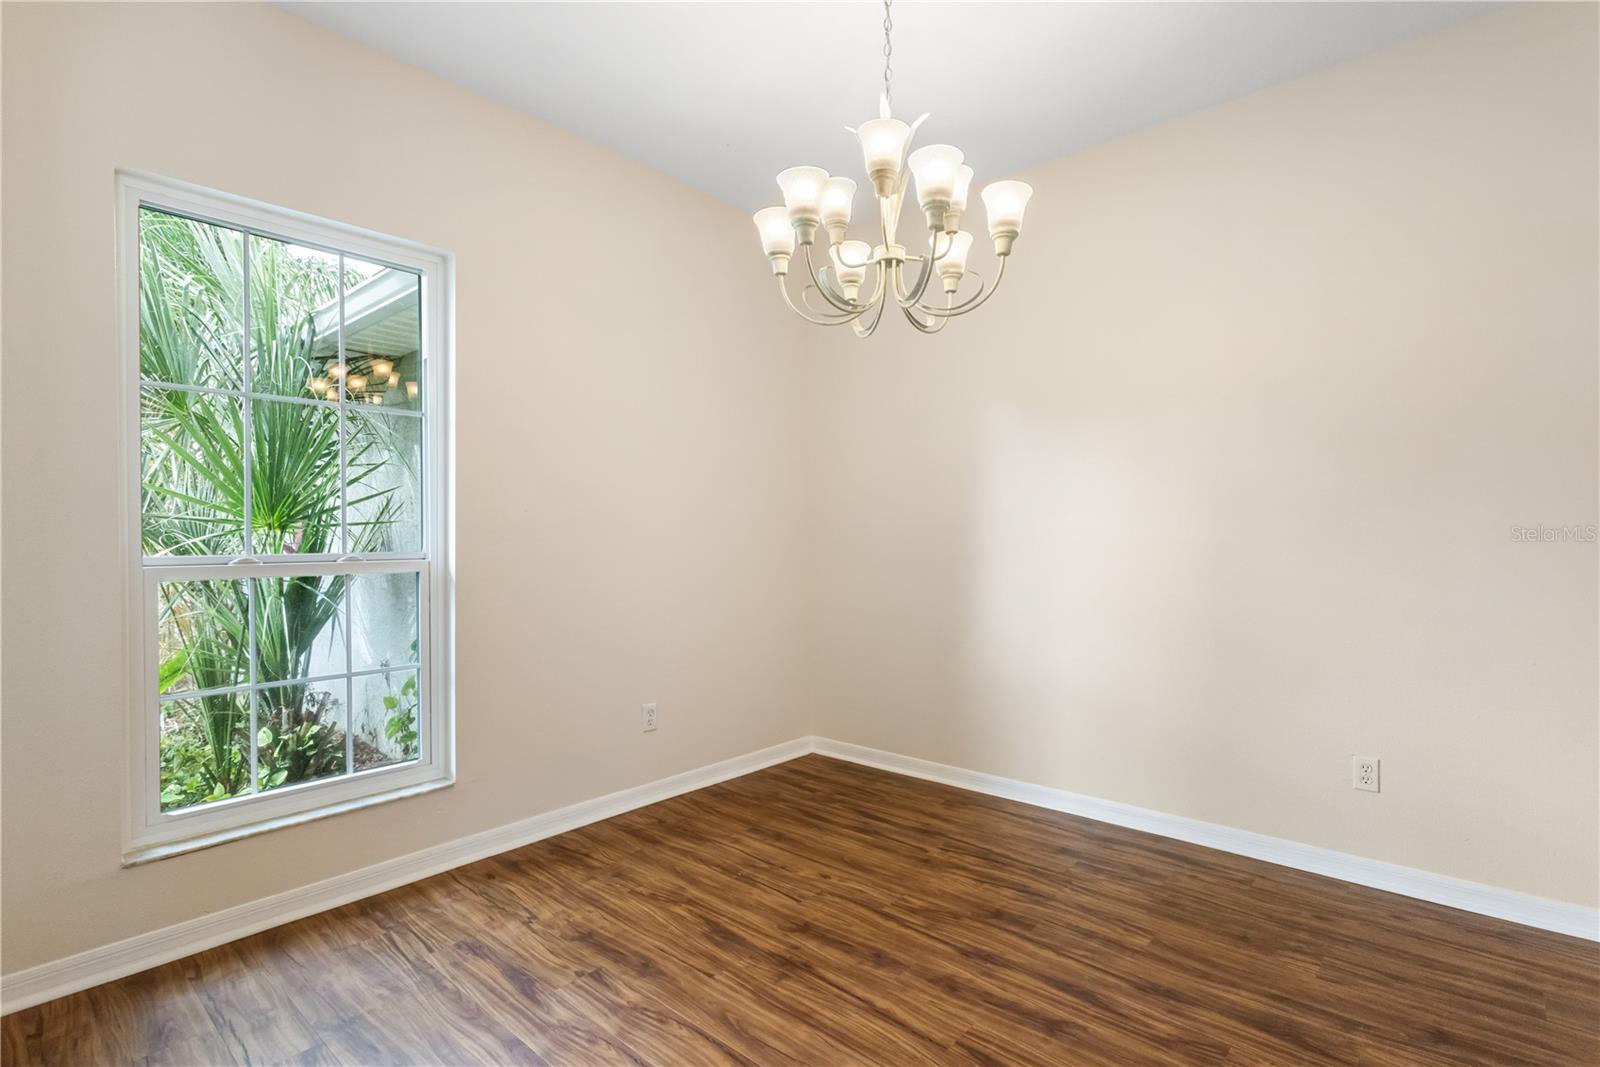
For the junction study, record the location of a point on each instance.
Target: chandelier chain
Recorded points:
(888, 49)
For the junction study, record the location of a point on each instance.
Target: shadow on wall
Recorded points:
(1106, 584)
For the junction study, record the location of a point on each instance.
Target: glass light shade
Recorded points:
(777, 234)
(954, 262)
(802, 192)
(883, 141)
(958, 198)
(934, 167)
(850, 261)
(838, 201)
(382, 367)
(1005, 202)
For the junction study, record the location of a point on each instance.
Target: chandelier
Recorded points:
(812, 198)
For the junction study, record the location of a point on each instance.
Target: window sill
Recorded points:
(140, 855)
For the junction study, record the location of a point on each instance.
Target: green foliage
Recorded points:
(194, 480)
(298, 742)
(194, 770)
(400, 724)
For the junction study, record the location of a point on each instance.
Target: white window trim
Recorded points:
(148, 833)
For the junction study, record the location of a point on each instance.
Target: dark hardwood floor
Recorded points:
(822, 913)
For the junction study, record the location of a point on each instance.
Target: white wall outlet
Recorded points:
(1364, 773)
(647, 713)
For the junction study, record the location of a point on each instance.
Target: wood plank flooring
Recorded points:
(822, 913)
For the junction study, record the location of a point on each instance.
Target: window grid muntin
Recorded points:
(250, 574)
(344, 458)
(247, 396)
(175, 568)
(247, 416)
(146, 203)
(306, 401)
(245, 687)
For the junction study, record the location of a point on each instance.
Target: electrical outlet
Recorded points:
(647, 713)
(1364, 773)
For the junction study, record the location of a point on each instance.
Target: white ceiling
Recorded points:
(723, 96)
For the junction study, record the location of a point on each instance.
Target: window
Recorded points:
(289, 503)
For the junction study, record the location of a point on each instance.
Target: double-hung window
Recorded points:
(289, 504)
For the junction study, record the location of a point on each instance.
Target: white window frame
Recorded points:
(150, 833)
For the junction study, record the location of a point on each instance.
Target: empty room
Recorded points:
(828, 534)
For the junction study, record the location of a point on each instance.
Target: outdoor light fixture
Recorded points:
(812, 199)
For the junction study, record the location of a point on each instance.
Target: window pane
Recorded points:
(192, 467)
(205, 749)
(294, 477)
(384, 466)
(201, 640)
(191, 297)
(300, 732)
(386, 719)
(383, 620)
(383, 335)
(294, 319)
(299, 627)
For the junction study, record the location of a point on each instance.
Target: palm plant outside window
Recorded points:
(284, 516)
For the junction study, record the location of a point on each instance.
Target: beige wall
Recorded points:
(630, 477)
(1218, 490)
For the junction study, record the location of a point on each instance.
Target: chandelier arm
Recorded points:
(838, 300)
(951, 307)
(856, 310)
(881, 302)
(831, 320)
(805, 302)
(908, 300)
(935, 324)
(978, 299)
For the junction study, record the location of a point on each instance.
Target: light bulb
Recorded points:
(318, 385)
(953, 264)
(958, 196)
(382, 367)
(356, 382)
(883, 142)
(934, 167)
(838, 201)
(777, 235)
(1005, 202)
(335, 369)
(958, 199)
(850, 262)
(802, 192)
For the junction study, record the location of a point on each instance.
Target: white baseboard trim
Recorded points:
(70, 974)
(1522, 908)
